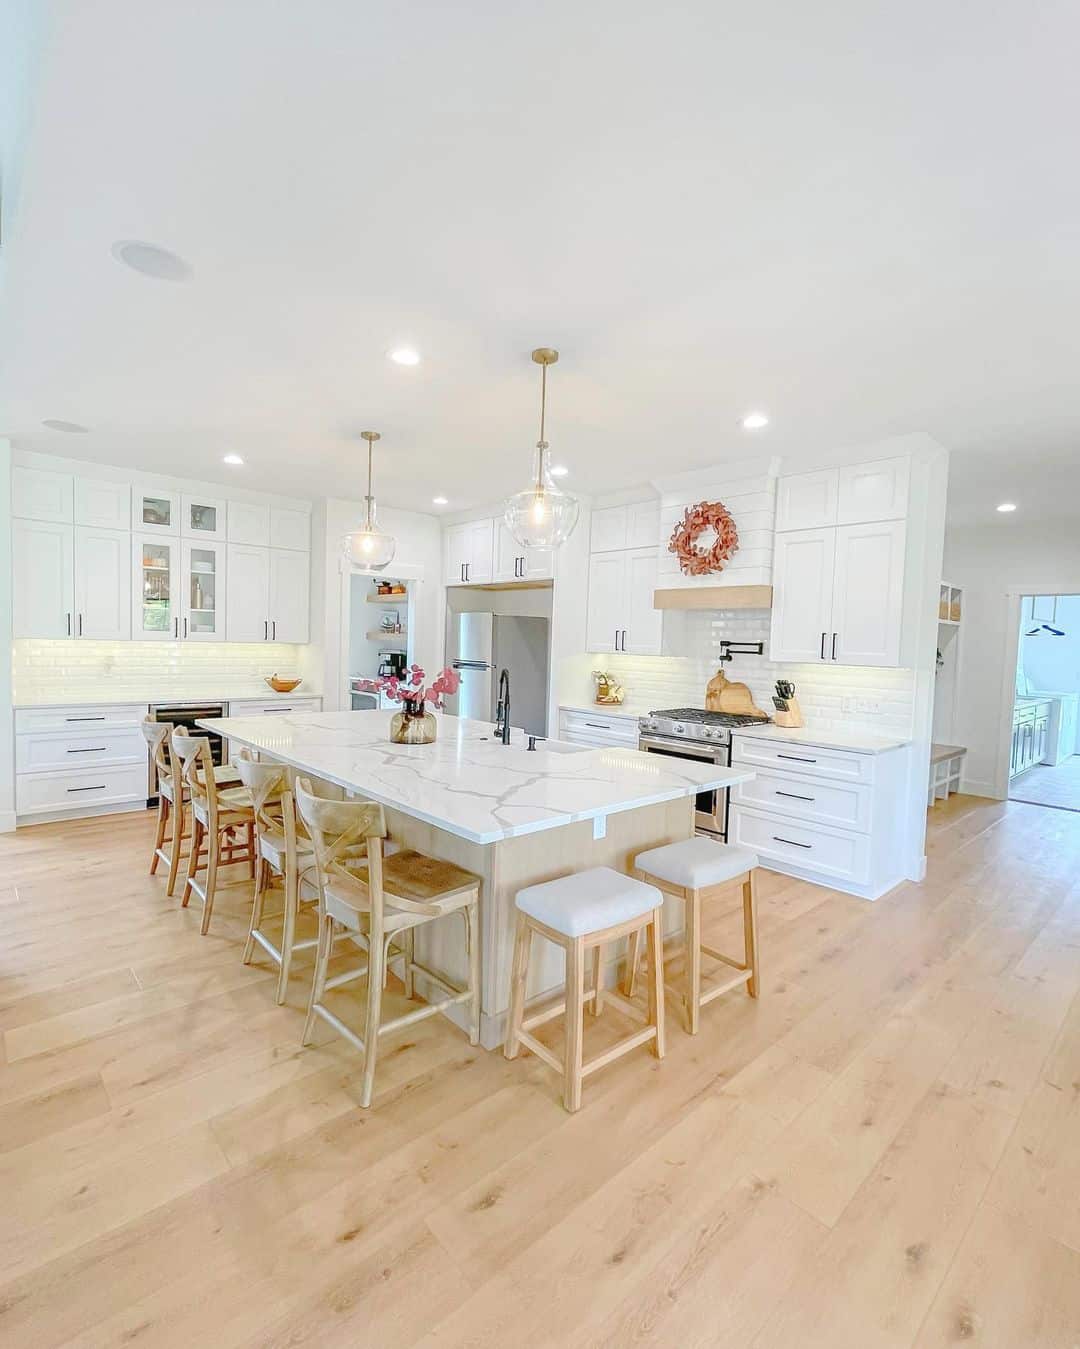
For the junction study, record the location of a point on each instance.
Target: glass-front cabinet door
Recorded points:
(202, 517)
(203, 583)
(155, 609)
(154, 512)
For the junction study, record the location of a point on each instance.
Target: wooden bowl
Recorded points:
(282, 685)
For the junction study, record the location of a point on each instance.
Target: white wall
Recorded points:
(7, 719)
(418, 559)
(1007, 554)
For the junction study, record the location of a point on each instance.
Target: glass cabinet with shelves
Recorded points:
(204, 592)
(155, 612)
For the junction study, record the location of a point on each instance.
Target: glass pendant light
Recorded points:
(541, 515)
(369, 547)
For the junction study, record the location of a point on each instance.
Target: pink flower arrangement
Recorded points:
(409, 688)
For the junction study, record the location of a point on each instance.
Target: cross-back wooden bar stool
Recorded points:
(172, 818)
(386, 899)
(284, 849)
(697, 871)
(582, 913)
(216, 815)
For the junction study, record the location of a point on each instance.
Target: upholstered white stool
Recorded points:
(580, 913)
(696, 870)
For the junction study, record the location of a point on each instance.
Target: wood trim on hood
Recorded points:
(714, 597)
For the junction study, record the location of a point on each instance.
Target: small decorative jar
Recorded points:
(413, 725)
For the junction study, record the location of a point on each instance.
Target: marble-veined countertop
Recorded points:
(467, 782)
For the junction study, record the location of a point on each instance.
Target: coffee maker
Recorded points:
(391, 663)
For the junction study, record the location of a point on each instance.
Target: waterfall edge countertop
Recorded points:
(467, 782)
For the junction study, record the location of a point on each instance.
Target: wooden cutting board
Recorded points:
(721, 695)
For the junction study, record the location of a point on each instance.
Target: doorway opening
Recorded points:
(1044, 765)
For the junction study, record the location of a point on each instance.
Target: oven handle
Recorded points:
(687, 749)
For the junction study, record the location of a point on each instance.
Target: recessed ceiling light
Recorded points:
(232, 459)
(58, 424)
(559, 470)
(754, 421)
(439, 501)
(404, 356)
(1007, 506)
(150, 260)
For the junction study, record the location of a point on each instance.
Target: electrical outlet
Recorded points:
(871, 706)
(848, 703)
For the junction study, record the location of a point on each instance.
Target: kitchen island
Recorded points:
(512, 815)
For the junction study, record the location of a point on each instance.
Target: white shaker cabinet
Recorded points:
(838, 595)
(803, 577)
(868, 594)
(40, 494)
(620, 614)
(43, 581)
(631, 526)
(202, 591)
(290, 599)
(469, 550)
(807, 500)
(247, 612)
(290, 529)
(853, 495)
(515, 563)
(203, 517)
(154, 511)
(102, 583)
(249, 523)
(104, 504)
(155, 597)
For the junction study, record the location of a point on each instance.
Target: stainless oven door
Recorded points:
(710, 808)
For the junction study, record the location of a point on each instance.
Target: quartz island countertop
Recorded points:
(468, 783)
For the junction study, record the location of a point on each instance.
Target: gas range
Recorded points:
(693, 723)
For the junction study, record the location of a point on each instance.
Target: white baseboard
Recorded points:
(976, 787)
(7, 821)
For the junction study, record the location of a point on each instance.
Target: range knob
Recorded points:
(678, 728)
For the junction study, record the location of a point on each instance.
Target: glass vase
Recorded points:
(413, 725)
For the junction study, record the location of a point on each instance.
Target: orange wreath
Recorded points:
(696, 561)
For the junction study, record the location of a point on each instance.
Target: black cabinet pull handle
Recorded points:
(791, 842)
(823, 636)
(97, 749)
(273, 634)
(69, 625)
(596, 726)
(80, 625)
(84, 718)
(266, 629)
(99, 788)
(185, 627)
(796, 758)
(834, 646)
(794, 795)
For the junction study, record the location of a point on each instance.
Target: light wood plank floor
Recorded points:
(884, 1150)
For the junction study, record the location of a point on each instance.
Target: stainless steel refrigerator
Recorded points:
(479, 646)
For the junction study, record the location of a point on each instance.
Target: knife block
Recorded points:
(792, 718)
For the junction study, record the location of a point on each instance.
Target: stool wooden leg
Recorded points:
(288, 930)
(162, 816)
(177, 815)
(692, 939)
(193, 858)
(472, 927)
(409, 942)
(598, 979)
(211, 883)
(633, 954)
(261, 881)
(376, 967)
(318, 981)
(575, 1028)
(655, 937)
(749, 892)
(251, 853)
(519, 972)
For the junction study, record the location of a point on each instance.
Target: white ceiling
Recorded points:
(863, 218)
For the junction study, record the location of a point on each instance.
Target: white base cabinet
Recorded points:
(76, 761)
(825, 815)
(580, 727)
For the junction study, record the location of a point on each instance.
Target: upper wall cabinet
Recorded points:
(854, 495)
(102, 504)
(620, 612)
(469, 553)
(514, 563)
(290, 529)
(202, 517)
(154, 511)
(633, 526)
(249, 522)
(43, 590)
(37, 494)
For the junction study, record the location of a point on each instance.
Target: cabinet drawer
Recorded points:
(809, 799)
(253, 708)
(806, 760)
(85, 718)
(39, 792)
(597, 728)
(838, 853)
(46, 750)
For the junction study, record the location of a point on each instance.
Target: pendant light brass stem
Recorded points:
(371, 437)
(543, 356)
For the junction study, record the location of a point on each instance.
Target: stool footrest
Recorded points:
(541, 1051)
(719, 955)
(624, 1046)
(715, 990)
(557, 1008)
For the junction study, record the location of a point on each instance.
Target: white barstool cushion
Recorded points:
(588, 901)
(697, 862)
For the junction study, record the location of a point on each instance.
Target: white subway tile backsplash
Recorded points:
(47, 671)
(679, 681)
